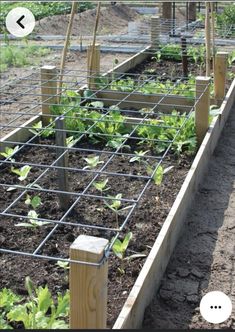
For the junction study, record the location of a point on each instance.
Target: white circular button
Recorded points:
(215, 307)
(20, 22)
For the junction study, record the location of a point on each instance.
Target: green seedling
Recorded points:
(63, 265)
(101, 186)
(40, 131)
(22, 172)
(71, 141)
(115, 206)
(33, 221)
(41, 311)
(158, 174)
(139, 156)
(35, 201)
(119, 249)
(9, 152)
(92, 162)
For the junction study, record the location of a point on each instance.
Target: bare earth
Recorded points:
(204, 258)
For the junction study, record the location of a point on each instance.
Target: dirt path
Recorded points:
(204, 257)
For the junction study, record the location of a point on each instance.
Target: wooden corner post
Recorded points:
(88, 284)
(93, 65)
(202, 107)
(220, 75)
(155, 31)
(48, 91)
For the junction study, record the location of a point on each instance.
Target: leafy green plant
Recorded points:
(101, 186)
(35, 201)
(32, 221)
(8, 299)
(63, 265)
(116, 206)
(92, 162)
(41, 311)
(139, 156)
(9, 152)
(43, 132)
(119, 249)
(22, 172)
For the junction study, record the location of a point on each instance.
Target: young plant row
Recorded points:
(36, 311)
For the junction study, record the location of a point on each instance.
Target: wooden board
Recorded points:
(139, 100)
(149, 279)
(19, 135)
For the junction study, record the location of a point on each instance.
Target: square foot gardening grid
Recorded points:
(85, 157)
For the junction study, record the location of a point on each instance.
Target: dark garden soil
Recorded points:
(145, 223)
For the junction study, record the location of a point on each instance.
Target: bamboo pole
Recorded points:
(65, 49)
(213, 34)
(207, 38)
(48, 91)
(90, 61)
(202, 108)
(220, 75)
(88, 284)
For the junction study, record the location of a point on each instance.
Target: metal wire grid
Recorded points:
(31, 88)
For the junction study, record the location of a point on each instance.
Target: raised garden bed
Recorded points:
(152, 236)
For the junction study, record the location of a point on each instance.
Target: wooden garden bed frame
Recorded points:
(148, 281)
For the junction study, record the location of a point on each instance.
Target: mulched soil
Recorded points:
(145, 223)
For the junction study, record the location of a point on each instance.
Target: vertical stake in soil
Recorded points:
(88, 284)
(220, 74)
(184, 56)
(155, 31)
(213, 33)
(90, 60)
(202, 107)
(48, 91)
(62, 162)
(208, 41)
(93, 68)
(66, 45)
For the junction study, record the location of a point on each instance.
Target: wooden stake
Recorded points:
(62, 162)
(220, 75)
(48, 91)
(90, 60)
(66, 44)
(93, 68)
(88, 284)
(202, 107)
(184, 56)
(213, 34)
(155, 31)
(207, 37)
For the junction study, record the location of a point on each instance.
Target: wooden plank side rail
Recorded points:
(151, 274)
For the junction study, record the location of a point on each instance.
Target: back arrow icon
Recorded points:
(19, 21)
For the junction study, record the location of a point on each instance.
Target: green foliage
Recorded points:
(42, 132)
(22, 172)
(101, 186)
(33, 221)
(63, 265)
(226, 21)
(115, 205)
(119, 249)
(184, 141)
(139, 156)
(92, 162)
(9, 152)
(15, 56)
(40, 311)
(35, 201)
